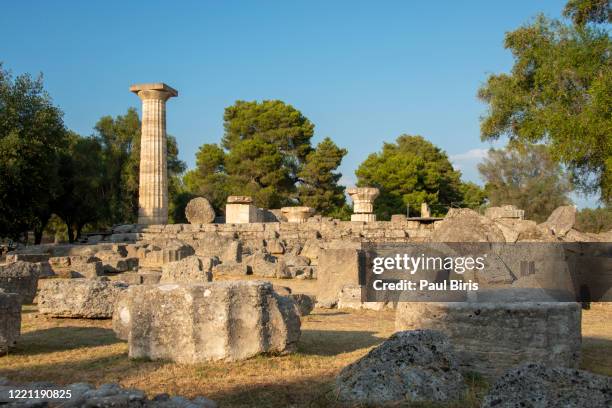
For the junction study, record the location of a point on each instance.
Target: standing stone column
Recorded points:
(153, 185)
(363, 203)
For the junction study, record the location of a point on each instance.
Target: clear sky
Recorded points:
(362, 72)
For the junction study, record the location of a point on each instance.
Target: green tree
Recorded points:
(120, 140)
(209, 178)
(474, 196)
(559, 92)
(266, 153)
(527, 177)
(588, 11)
(32, 134)
(594, 220)
(408, 172)
(82, 178)
(266, 145)
(319, 186)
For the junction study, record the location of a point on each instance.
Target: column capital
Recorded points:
(157, 90)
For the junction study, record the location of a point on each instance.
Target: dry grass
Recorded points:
(67, 350)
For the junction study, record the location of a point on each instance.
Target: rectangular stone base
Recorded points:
(242, 214)
(363, 217)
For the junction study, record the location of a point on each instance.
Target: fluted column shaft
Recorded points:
(153, 183)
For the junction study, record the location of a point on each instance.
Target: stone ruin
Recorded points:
(127, 274)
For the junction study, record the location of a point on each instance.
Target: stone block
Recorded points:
(336, 268)
(490, 338)
(230, 268)
(10, 320)
(21, 278)
(78, 298)
(191, 269)
(231, 320)
(242, 213)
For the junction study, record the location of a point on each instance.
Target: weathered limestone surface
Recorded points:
(153, 185)
(199, 211)
(297, 214)
(543, 385)
(363, 203)
(465, 225)
(489, 338)
(10, 320)
(336, 268)
(231, 320)
(411, 366)
(503, 212)
(304, 303)
(191, 269)
(21, 278)
(561, 221)
(240, 210)
(79, 298)
(106, 395)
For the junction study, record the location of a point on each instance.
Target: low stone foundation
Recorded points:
(490, 338)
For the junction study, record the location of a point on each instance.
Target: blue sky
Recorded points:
(363, 72)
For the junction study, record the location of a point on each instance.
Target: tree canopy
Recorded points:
(266, 153)
(559, 92)
(525, 176)
(411, 171)
(31, 135)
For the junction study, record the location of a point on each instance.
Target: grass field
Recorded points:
(70, 350)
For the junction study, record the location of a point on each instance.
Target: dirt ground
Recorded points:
(71, 350)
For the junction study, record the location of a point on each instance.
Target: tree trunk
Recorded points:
(70, 233)
(38, 233)
(79, 230)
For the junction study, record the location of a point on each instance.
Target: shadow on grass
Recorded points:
(334, 342)
(319, 392)
(63, 338)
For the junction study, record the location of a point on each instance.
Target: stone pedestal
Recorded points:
(297, 214)
(363, 203)
(153, 187)
(240, 210)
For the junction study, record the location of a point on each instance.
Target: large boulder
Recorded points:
(230, 320)
(411, 366)
(561, 221)
(465, 225)
(10, 320)
(544, 386)
(21, 278)
(79, 298)
(199, 211)
(489, 338)
(188, 270)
